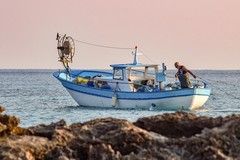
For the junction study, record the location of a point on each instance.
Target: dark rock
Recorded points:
(2, 109)
(47, 131)
(217, 143)
(164, 137)
(2, 128)
(180, 124)
(9, 121)
(9, 125)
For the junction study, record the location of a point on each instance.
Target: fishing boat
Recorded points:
(130, 85)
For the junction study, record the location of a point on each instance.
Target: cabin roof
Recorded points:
(133, 65)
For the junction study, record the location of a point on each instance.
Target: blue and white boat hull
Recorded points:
(188, 102)
(191, 98)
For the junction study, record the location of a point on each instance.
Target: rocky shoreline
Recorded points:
(178, 135)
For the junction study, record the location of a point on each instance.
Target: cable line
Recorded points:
(233, 96)
(103, 46)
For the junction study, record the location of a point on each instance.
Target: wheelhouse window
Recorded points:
(118, 73)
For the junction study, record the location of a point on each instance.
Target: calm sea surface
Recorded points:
(36, 97)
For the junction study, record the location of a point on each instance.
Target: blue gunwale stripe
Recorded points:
(98, 95)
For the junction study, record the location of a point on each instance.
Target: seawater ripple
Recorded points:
(36, 97)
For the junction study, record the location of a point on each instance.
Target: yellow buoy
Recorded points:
(80, 80)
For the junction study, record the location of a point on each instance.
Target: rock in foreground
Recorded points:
(178, 135)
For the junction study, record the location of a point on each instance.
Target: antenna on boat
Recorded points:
(66, 49)
(135, 55)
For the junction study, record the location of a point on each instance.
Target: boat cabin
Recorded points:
(134, 77)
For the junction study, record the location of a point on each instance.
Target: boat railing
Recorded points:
(138, 85)
(195, 83)
(134, 86)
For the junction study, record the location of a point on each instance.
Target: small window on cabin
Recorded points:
(118, 74)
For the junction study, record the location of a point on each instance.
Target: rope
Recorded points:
(231, 95)
(149, 59)
(103, 46)
(225, 83)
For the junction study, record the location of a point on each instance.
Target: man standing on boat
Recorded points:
(183, 76)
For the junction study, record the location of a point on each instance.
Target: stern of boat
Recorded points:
(199, 98)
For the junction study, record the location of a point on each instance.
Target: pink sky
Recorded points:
(200, 34)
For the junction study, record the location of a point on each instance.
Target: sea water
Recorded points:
(36, 97)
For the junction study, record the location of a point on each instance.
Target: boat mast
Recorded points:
(135, 55)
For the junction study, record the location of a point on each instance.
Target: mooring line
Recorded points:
(233, 96)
